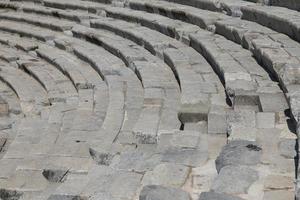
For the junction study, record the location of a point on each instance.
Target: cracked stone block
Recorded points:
(217, 196)
(239, 152)
(265, 120)
(156, 192)
(234, 180)
(166, 174)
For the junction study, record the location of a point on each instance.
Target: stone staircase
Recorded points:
(156, 99)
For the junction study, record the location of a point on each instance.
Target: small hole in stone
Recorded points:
(253, 147)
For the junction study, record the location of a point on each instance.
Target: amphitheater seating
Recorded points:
(159, 99)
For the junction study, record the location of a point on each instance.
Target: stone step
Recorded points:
(42, 21)
(144, 19)
(274, 50)
(254, 72)
(32, 95)
(13, 102)
(153, 75)
(291, 4)
(104, 69)
(109, 65)
(153, 46)
(203, 19)
(280, 19)
(25, 30)
(230, 7)
(17, 42)
(58, 87)
(190, 68)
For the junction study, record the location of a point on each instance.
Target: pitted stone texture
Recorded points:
(234, 180)
(155, 192)
(239, 152)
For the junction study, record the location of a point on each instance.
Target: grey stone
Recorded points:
(101, 158)
(188, 157)
(239, 152)
(234, 180)
(287, 148)
(156, 192)
(265, 120)
(55, 175)
(166, 174)
(217, 120)
(10, 194)
(217, 196)
(273, 102)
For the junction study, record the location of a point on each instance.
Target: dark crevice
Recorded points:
(181, 127)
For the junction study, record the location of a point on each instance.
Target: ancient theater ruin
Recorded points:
(149, 99)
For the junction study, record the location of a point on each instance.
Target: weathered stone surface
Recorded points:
(234, 179)
(188, 157)
(278, 195)
(287, 148)
(277, 182)
(111, 99)
(265, 120)
(239, 152)
(166, 174)
(55, 175)
(154, 192)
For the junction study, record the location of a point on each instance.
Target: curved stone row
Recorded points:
(231, 7)
(60, 43)
(65, 43)
(153, 44)
(260, 149)
(134, 15)
(291, 4)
